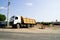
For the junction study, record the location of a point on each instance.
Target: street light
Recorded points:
(8, 13)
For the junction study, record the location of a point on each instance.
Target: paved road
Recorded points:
(28, 36)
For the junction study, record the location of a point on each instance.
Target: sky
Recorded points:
(40, 10)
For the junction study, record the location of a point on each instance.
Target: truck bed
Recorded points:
(27, 20)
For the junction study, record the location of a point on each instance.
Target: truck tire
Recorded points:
(18, 26)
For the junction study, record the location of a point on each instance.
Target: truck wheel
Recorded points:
(18, 26)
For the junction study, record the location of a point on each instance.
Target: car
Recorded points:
(3, 24)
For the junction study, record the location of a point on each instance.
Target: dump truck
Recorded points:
(20, 21)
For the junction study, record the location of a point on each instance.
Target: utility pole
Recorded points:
(8, 13)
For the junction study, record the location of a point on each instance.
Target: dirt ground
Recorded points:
(36, 29)
(52, 27)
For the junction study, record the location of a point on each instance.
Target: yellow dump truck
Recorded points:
(19, 21)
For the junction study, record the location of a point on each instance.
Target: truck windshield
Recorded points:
(13, 16)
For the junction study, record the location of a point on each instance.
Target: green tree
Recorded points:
(2, 17)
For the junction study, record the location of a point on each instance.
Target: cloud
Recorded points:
(3, 8)
(29, 4)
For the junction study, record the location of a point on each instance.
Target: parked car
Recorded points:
(3, 24)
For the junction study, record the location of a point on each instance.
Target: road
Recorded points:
(28, 36)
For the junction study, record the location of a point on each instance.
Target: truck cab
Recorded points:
(14, 20)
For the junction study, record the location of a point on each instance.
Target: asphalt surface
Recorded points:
(28, 36)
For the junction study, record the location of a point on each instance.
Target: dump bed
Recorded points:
(27, 20)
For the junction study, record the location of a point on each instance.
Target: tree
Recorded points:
(2, 17)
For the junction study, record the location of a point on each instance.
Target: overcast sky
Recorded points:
(40, 10)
